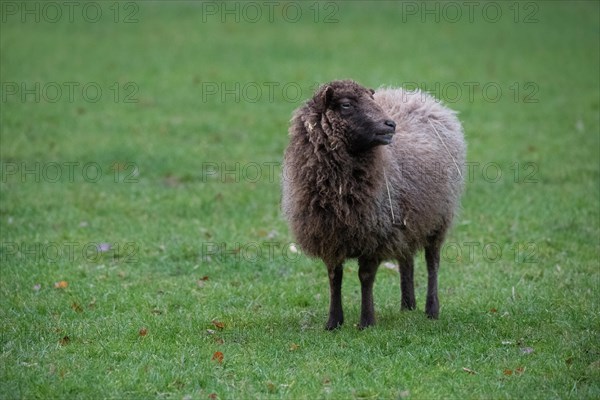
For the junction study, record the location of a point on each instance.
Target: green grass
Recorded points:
(519, 301)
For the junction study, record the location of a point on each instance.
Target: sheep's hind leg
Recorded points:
(367, 269)
(432, 257)
(407, 284)
(336, 312)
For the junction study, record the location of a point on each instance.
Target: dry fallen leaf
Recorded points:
(507, 372)
(294, 347)
(218, 324)
(76, 307)
(520, 370)
(213, 396)
(65, 340)
(262, 233)
(61, 284)
(271, 387)
(569, 361)
(202, 281)
(218, 356)
(143, 331)
(469, 371)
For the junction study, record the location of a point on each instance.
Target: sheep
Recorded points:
(374, 176)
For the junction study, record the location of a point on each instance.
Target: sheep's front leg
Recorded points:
(367, 269)
(432, 257)
(407, 284)
(336, 312)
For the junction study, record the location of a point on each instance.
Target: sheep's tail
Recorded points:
(447, 150)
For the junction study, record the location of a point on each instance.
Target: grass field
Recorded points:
(143, 253)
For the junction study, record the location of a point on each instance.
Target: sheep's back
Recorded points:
(428, 158)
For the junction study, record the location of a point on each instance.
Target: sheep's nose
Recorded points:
(390, 123)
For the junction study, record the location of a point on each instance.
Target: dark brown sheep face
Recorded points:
(353, 111)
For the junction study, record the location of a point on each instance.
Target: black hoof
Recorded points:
(333, 325)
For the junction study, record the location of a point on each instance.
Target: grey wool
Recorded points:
(373, 175)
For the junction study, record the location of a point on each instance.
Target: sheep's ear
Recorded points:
(326, 97)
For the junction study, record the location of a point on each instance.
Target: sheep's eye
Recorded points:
(346, 105)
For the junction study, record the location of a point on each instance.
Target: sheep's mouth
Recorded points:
(384, 137)
(385, 133)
